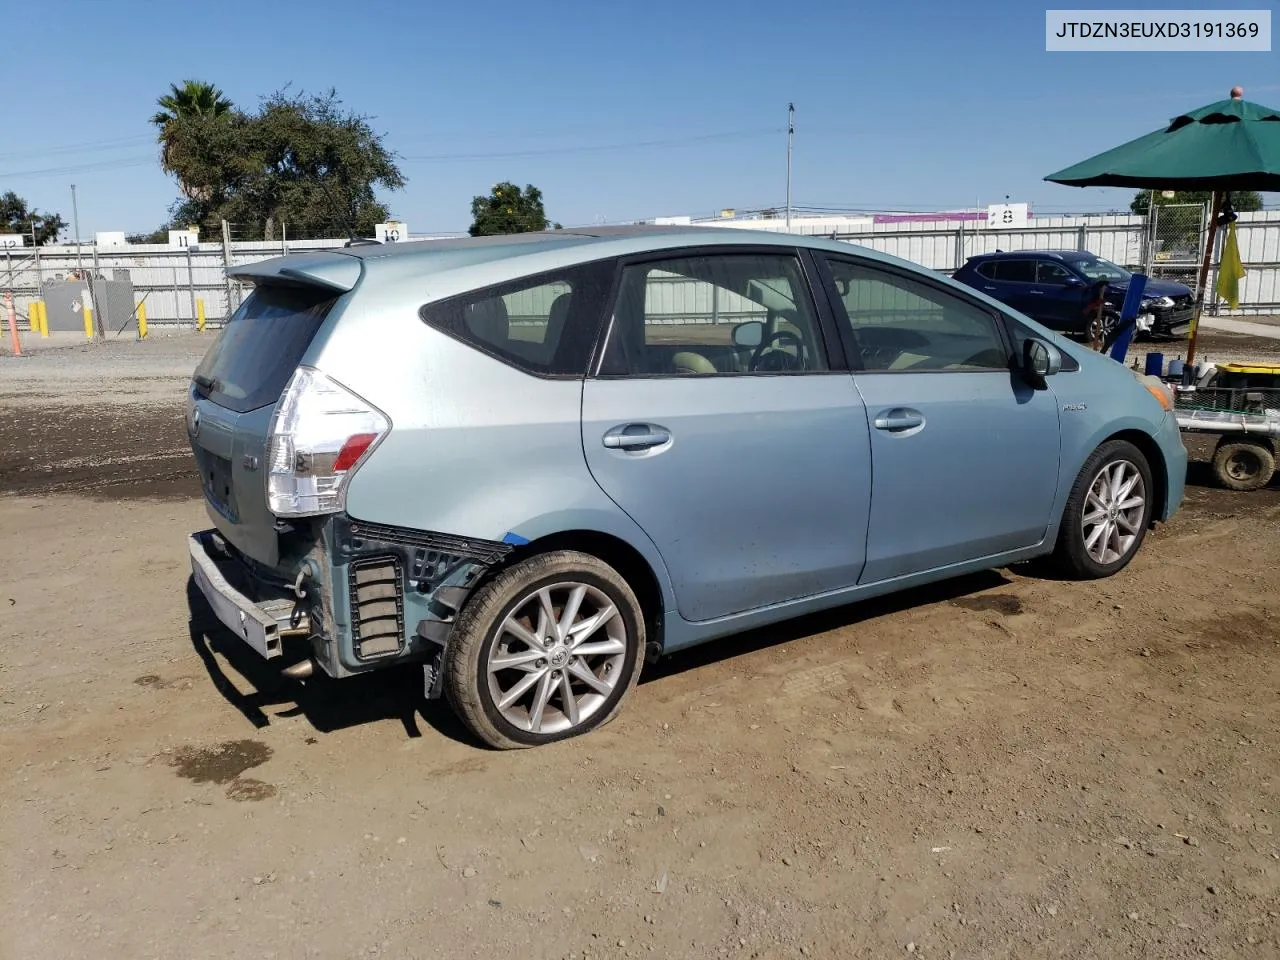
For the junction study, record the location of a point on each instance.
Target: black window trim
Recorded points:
(828, 327)
(846, 326)
(1069, 363)
(515, 285)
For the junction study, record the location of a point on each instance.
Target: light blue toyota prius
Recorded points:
(531, 463)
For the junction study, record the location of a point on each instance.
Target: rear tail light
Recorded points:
(320, 433)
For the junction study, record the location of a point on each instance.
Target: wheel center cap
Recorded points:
(558, 657)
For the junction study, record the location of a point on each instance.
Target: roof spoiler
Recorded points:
(325, 269)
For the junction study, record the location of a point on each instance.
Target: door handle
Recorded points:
(636, 436)
(898, 420)
(988, 288)
(1036, 293)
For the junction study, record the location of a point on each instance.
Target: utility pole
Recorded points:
(791, 132)
(75, 216)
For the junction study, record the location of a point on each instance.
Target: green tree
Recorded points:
(1243, 201)
(194, 100)
(300, 159)
(17, 217)
(507, 209)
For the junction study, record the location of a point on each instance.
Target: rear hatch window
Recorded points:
(261, 345)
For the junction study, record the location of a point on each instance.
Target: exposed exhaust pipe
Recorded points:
(300, 670)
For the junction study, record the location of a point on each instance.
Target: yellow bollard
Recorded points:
(200, 315)
(142, 321)
(44, 319)
(88, 321)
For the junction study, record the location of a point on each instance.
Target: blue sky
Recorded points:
(902, 105)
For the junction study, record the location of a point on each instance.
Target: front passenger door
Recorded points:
(964, 453)
(1061, 296)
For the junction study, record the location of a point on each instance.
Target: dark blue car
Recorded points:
(1060, 289)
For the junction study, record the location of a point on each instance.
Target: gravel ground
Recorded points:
(999, 766)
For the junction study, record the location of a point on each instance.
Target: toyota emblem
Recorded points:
(195, 421)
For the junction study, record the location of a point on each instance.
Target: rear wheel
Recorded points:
(546, 650)
(1243, 465)
(1107, 513)
(1100, 328)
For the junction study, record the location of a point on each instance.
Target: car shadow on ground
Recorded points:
(396, 693)
(742, 644)
(328, 705)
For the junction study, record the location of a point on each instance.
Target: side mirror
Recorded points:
(749, 334)
(1040, 359)
(1073, 282)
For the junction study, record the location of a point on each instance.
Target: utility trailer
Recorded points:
(1240, 403)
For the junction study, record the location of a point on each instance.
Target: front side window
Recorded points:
(906, 325)
(719, 314)
(544, 325)
(1052, 274)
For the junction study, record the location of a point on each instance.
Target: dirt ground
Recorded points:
(1000, 766)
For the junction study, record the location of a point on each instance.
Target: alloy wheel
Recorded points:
(1115, 509)
(557, 658)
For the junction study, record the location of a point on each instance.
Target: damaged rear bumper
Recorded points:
(221, 578)
(372, 595)
(431, 574)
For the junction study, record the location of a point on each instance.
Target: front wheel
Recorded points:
(546, 650)
(1107, 513)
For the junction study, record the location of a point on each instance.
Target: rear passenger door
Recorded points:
(1015, 280)
(720, 422)
(964, 452)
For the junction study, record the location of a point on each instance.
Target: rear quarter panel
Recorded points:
(477, 448)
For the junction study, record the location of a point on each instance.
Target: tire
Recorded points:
(1096, 331)
(474, 687)
(1077, 555)
(1243, 465)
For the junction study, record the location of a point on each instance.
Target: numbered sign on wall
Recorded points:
(184, 239)
(1007, 215)
(10, 240)
(390, 232)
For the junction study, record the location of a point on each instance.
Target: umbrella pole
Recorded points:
(1204, 276)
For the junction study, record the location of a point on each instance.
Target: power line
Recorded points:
(78, 168)
(117, 143)
(591, 148)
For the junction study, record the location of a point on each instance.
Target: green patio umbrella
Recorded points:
(1229, 145)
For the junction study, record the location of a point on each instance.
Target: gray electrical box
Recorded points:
(65, 301)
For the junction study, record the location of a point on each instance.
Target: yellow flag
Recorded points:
(1231, 270)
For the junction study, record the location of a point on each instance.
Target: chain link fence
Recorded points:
(1176, 242)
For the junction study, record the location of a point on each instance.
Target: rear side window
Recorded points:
(988, 269)
(1016, 271)
(545, 324)
(251, 361)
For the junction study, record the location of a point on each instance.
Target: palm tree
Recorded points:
(194, 98)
